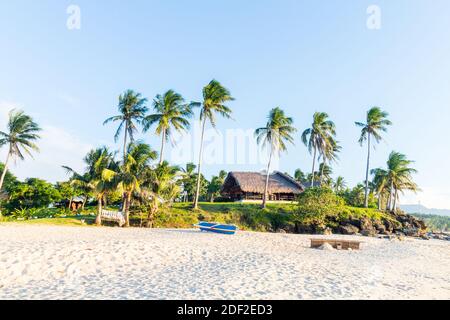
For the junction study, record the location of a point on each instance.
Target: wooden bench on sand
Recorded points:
(113, 216)
(336, 244)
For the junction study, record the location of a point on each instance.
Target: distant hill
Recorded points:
(417, 208)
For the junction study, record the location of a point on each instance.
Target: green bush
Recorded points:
(315, 204)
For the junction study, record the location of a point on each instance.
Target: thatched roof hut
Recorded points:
(242, 186)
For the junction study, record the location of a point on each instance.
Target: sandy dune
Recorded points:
(44, 262)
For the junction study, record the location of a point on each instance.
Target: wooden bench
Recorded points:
(336, 244)
(113, 216)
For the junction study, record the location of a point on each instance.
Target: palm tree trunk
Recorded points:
(163, 142)
(321, 173)
(151, 215)
(98, 220)
(126, 206)
(391, 195)
(70, 202)
(5, 169)
(197, 193)
(313, 167)
(395, 199)
(266, 188)
(125, 144)
(366, 196)
(84, 202)
(379, 201)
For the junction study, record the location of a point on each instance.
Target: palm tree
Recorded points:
(375, 124)
(319, 138)
(300, 176)
(189, 179)
(399, 175)
(22, 132)
(128, 177)
(329, 155)
(275, 134)
(216, 184)
(325, 173)
(171, 113)
(132, 108)
(380, 184)
(214, 98)
(91, 181)
(160, 186)
(339, 185)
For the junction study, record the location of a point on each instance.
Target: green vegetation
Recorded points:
(434, 222)
(158, 194)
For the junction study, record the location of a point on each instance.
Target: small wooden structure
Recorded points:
(336, 244)
(250, 186)
(113, 216)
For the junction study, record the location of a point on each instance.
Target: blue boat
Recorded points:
(217, 228)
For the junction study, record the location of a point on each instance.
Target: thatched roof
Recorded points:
(254, 182)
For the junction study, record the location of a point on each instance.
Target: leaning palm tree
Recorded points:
(20, 137)
(132, 108)
(319, 138)
(376, 123)
(171, 112)
(399, 175)
(128, 177)
(214, 98)
(278, 130)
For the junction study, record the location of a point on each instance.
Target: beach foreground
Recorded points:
(49, 262)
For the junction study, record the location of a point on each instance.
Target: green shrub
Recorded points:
(316, 204)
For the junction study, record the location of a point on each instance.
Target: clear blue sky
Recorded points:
(303, 56)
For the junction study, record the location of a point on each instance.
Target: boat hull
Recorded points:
(217, 228)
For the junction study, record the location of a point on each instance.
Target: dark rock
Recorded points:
(369, 232)
(380, 227)
(348, 229)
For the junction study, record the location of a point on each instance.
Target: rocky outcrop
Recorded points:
(394, 223)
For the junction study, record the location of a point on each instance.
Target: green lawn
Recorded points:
(75, 221)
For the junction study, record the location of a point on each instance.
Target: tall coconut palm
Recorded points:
(128, 177)
(319, 138)
(215, 96)
(171, 112)
(277, 132)
(20, 138)
(377, 122)
(132, 108)
(399, 175)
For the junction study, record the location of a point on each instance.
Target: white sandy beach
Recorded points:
(47, 262)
